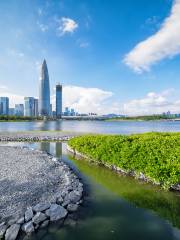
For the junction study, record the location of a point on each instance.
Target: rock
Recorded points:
(176, 187)
(73, 196)
(40, 207)
(12, 232)
(39, 217)
(44, 224)
(141, 176)
(28, 214)
(59, 200)
(3, 228)
(28, 227)
(20, 220)
(56, 212)
(72, 207)
(65, 203)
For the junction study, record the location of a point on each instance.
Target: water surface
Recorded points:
(115, 207)
(122, 127)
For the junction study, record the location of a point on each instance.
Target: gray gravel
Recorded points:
(37, 136)
(26, 178)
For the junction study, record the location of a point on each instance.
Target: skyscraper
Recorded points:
(44, 91)
(36, 107)
(29, 106)
(4, 106)
(19, 109)
(58, 100)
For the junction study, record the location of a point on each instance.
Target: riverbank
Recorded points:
(36, 136)
(36, 189)
(152, 157)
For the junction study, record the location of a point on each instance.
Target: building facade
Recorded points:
(58, 101)
(44, 91)
(36, 111)
(4, 106)
(19, 110)
(29, 106)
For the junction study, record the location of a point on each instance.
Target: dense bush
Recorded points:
(157, 155)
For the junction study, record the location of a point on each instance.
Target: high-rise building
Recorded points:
(4, 106)
(19, 109)
(29, 106)
(44, 91)
(58, 101)
(11, 111)
(35, 107)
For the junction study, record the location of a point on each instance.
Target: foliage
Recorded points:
(156, 155)
(144, 118)
(18, 118)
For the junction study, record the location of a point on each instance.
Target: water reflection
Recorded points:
(124, 127)
(44, 146)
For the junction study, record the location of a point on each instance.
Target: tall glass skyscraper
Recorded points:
(29, 106)
(4, 106)
(44, 91)
(58, 101)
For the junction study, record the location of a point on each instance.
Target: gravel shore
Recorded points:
(37, 136)
(31, 177)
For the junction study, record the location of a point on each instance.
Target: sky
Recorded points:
(118, 56)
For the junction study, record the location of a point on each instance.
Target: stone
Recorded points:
(20, 220)
(12, 232)
(72, 207)
(28, 214)
(59, 200)
(39, 217)
(28, 227)
(40, 207)
(44, 224)
(73, 197)
(3, 228)
(56, 212)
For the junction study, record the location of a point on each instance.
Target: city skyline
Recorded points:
(103, 61)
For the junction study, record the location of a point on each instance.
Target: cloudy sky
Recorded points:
(119, 56)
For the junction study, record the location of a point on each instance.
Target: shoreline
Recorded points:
(140, 177)
(60, 192)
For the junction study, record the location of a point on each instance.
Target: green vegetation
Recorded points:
(13, 118)
(156, 155)
(144, 118)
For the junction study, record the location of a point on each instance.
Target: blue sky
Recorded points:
(111, 56)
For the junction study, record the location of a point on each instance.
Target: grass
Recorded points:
(156, 155)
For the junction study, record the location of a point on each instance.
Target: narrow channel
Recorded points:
(115, 207)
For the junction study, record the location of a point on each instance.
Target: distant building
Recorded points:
(36, 113)
(11, 111)
(51, 111)
(29, 107)
(4, 106)
(19, 110)
(58, 101)
(72, 112)
(66, 112)
(44, 91)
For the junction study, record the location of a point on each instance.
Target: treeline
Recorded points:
(18, 118)
(146, 118)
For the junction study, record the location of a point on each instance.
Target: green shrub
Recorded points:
(157, 155)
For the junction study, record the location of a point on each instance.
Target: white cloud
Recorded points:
(13, 98)
(153, 103)
(84, 45)
(165, 43)
(67, 25)
(85, 100)
(42, 27)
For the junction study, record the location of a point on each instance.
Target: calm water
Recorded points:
(125, 127)
(115, 207)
